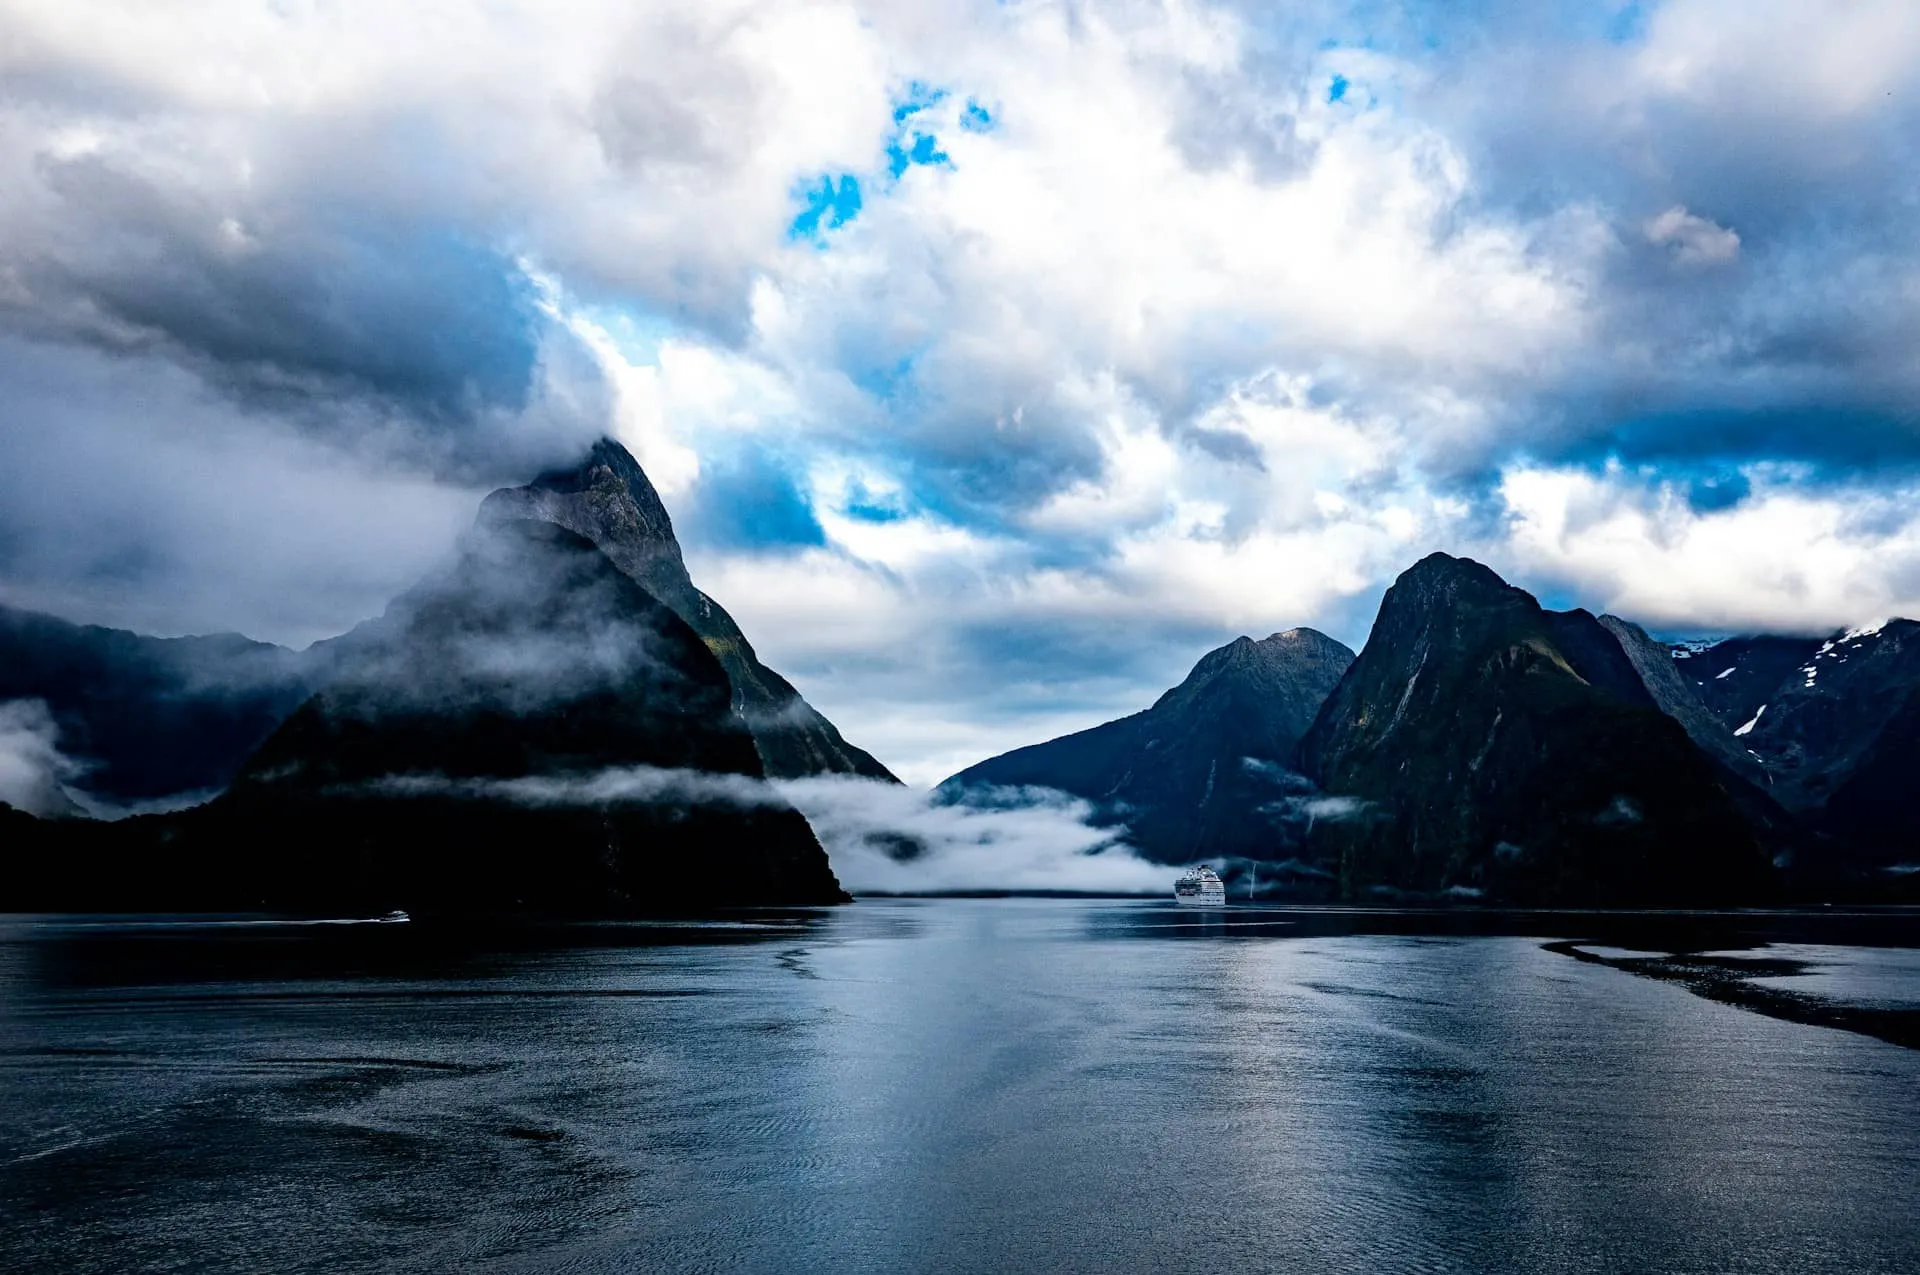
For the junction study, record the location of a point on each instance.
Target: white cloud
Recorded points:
(1784, 56)
(1782, 559)
(34, 772)
(881, 838)
(884, 839)
(1695, 241)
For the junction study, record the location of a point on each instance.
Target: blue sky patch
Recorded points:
(886, 381)
(1338, 89)
(1628, 25)
(868, 505)
(751, 500)
(976, 118)
(925, 149)
(913, 146)
(918, 98)
(829, 202)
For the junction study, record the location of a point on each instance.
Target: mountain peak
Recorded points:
(1498, 741)
(1276, 651)
(1443, 570)
(607, 499)
(606, 458)
(1198, 774)
(1302, 637)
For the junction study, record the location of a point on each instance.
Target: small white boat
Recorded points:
(1200, 888)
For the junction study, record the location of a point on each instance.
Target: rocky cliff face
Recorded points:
(1500, 750)
(1208, 771)
(608, 500)
(1680, 698)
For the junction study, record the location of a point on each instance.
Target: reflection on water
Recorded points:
(1887, 978)
(953, 1085)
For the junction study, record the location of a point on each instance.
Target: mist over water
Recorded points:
(34, 771)
(950, 1085)
(881, 838)
(888, 839)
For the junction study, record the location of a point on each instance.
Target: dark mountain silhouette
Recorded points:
(170, 720)
(1736, 677)
(1207, 771)
(450, 764)
(608, 500)
(1679, 698)
(148, 719)
(1832, 724)
(1515, 752)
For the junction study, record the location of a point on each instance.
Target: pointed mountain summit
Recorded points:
(1506, 749)
(527, 730)
(475, 752)
(1207, 771)
(608, 500)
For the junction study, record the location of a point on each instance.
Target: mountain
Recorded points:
(1680, 698)
(1833, 725)
(147, 719)
(608, 499)
(530, 729)
(1735, 678)
(1207, 771)
(169, 721)
(1495, 748)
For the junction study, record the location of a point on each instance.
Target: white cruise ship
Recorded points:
(1200, 888)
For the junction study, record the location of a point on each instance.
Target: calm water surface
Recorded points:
(995, 1086)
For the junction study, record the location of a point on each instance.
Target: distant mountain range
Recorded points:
(152, 719)
(560, 721)
(516, 732)
(1481, 747)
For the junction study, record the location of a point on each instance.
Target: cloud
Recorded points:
(34, 773)
(613, 786)
(881, 838)
(1140, 332)
(1780, 559)
(886, 839)
(132, 494)
(1695, 241)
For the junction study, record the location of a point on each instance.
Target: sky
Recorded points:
(995, 360)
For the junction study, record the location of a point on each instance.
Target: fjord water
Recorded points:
(988, 1085)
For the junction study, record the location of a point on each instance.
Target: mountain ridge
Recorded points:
(1206, 769)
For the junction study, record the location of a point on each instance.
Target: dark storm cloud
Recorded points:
(1837, 439)
(327, 313)
(132, 494)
